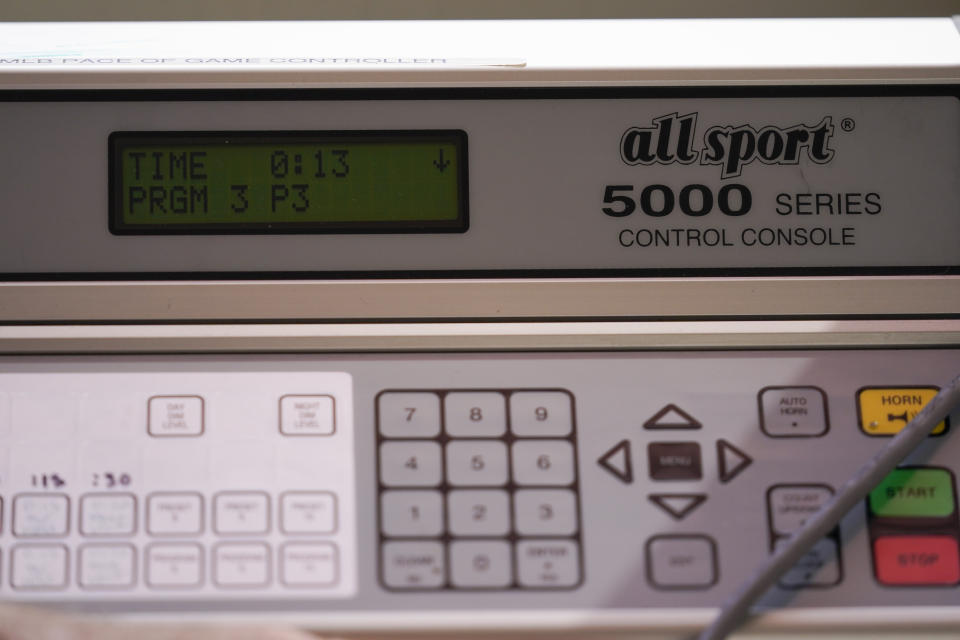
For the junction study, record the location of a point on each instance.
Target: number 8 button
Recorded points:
(475, 414)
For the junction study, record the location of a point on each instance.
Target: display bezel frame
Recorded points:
(118, 140)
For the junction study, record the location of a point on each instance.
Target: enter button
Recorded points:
(917, 560)
(914, 493)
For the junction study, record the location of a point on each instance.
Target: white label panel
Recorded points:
(165, 484)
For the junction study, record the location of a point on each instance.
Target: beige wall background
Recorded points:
(458, 9)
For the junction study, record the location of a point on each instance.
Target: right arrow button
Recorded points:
(731, 461)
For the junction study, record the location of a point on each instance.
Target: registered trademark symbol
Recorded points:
(847, 124)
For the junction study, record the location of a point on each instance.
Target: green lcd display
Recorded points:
(288, 182)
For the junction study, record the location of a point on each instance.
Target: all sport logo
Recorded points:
(671, 140)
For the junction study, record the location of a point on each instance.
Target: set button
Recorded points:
(686, 561)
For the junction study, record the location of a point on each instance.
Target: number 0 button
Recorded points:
(543, 462)
(410, 464)
(403, 414)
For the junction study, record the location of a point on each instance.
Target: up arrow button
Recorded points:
(672, 417)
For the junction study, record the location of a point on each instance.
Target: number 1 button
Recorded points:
(405, 414)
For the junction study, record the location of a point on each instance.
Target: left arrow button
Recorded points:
(618, 462)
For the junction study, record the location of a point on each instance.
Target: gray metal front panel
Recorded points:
(614, 394)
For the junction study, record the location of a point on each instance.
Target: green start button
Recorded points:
(914, 493)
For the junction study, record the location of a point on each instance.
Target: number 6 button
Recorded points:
(543, 462)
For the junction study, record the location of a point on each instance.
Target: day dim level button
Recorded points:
(885, 411)
(175, 416)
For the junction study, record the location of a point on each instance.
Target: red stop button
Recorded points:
(917, 560)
